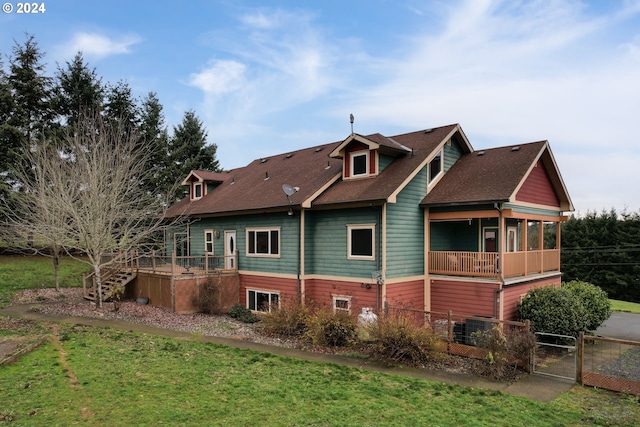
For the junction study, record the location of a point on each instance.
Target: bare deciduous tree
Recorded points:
(85, 194)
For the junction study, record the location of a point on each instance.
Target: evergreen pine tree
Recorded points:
(78, 89)
(188, 150)
(153, 134)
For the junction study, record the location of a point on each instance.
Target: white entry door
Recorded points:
(230, 261)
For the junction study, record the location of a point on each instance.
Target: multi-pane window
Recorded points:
(342, 303)
(208, 241)
(262, 300)
(263, 242)
(361, 241)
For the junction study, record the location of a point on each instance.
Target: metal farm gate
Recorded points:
(555, 355)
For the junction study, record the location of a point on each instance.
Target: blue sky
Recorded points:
(273, 76)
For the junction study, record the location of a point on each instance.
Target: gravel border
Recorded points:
(70, 302)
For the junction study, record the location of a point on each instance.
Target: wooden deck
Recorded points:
(487, 264)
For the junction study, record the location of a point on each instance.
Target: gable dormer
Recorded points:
(200, 183)
(361, 155)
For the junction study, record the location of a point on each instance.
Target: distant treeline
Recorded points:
(604, 249)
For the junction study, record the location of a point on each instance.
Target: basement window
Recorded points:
(258, 300)
(341, 303)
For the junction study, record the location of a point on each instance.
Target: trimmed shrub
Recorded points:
(289, 318)
(243, 314)
(328, 329)
(399, 338)
(594, 300)
(553, 310)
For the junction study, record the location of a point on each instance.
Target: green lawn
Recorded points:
(629, 307)
(29, 272)
(100, 376)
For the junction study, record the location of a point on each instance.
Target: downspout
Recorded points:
(380, 281)
(299, 281)
(498, 292)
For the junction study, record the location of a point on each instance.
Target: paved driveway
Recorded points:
(624, 326)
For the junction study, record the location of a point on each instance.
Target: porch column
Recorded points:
(525, 243)
(541, 245)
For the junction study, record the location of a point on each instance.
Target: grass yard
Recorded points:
(93, 376)
(629, 307)
(100, 376)
(29, 272)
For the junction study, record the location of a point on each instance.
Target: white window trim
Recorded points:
(342, 298)
(350, 228)
(432, 181)
(354, 154)
(197, 184)
(262, 291)
(211, 233)
(268, 229)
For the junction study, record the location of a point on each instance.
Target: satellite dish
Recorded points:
(289, 190)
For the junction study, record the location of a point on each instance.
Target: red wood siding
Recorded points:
(465, 298)
(538, 189)
(406, 294)
(288, 288)
(320, 292)
(513, 293)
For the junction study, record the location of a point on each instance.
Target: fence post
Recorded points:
(449, 331)
(206, 263)
(173, 262)
(580, 356)
(527, 325)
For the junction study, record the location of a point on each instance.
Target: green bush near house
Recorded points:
(554, 311)
(243, 314)
(594, 300)
(574, 307)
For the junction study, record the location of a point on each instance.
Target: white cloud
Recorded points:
(98, 45)
(219, 77)
(280, 62)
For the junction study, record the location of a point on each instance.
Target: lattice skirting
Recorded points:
(611, 383)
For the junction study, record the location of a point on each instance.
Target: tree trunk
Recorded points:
(56, 267)
(96, 270)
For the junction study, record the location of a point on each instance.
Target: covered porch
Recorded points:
(498, 243)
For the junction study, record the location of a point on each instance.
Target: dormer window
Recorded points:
(360, 163)
(197, 191)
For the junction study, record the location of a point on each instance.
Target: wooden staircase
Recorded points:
(111, 280)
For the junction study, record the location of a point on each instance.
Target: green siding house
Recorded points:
(417, 220)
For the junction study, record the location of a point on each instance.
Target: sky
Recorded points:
(270, 77)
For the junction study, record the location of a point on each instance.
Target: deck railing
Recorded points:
(486, 264)
(158, 262)
(172, 264)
